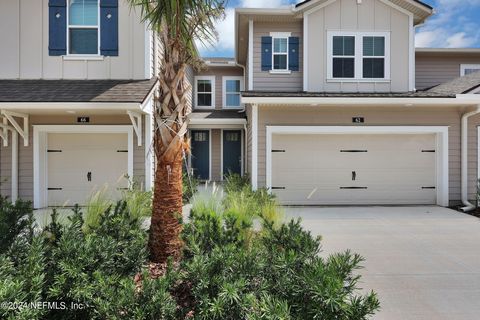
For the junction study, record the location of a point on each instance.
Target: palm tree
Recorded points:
(179, 24)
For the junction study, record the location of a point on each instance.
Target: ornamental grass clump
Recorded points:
(230, 267)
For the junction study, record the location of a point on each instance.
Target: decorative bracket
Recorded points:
(136, 119)
(24, 132)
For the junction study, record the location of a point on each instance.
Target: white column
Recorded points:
(149, 168)
(14, 178)
(254, 147)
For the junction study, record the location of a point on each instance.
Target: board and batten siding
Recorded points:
(329, 116)
(264, 80)
(347, 15)
(219, 73)
(24, 50)
(432, 70)
(25, 154)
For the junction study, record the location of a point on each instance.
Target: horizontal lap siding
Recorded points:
(263, 80)
(25, 154)
(219, 73)
(433, 70)
(290, 116)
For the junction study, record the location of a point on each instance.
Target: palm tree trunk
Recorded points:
(165, 229)
(169, 143)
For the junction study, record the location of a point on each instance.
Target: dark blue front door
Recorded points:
(232, 151)
(200, 140)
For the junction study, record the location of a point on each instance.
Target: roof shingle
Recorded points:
(121, 91)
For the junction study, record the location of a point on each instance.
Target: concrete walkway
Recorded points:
(424, 262)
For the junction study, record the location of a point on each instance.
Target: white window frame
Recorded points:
(464, 67)
(98, 54)
(280, 35)
(358, 59)
(224, 91)
(212, 80)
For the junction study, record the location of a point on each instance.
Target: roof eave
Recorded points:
(459, 100)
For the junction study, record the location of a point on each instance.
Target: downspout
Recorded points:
(468, 206)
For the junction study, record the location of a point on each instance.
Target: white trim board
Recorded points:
(442, 171)
(254, 173)
(40, 155)
(478, 155)
(250, 54)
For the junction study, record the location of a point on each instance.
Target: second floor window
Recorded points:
(466, 69)
(374, 57)
(232, 86)
(205, 91)
(83, 27)
(343, 57)
(356, 56)
(280, 53)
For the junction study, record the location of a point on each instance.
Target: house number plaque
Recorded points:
(358, 120)
(83, 119)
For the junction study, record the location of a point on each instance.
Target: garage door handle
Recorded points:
(89, 176)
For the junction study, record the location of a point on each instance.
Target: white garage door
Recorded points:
(81, 164)
(354, 169)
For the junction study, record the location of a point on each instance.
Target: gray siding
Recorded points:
(433, 69)
(264, 80)
(24, 49)
(219, 73)
(298, 115)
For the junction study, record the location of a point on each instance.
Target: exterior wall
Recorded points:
(25, 156)
(264, 80)
(328, 116)
(219, 72)
(216, 155)
(433, 69)
(370, 15)
(24, 49)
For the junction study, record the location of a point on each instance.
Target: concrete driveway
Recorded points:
(424, 262)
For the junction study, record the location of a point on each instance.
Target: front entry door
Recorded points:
(232, 151)
(201, 154)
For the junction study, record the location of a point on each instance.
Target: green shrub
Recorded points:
(279, 275)
(15, 219)
(230, 269)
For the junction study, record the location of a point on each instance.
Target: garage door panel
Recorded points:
(394, 169)
(82, 164)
